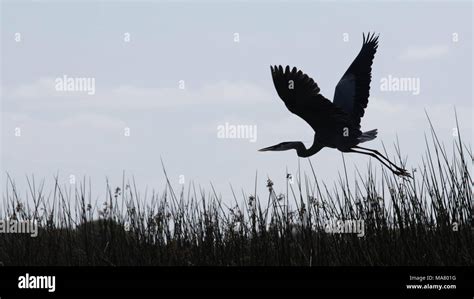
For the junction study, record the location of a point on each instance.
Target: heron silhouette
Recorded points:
(336, 124)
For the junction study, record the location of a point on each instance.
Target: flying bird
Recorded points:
(336, 124)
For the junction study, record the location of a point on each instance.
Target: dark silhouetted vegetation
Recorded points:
(422, 221)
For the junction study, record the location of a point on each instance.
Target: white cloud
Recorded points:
(92, 120)
(42, 94)
(416, 53)
(43, 87)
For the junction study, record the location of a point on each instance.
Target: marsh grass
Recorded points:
(424, 221)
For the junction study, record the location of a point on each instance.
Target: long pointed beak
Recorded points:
(270, 148)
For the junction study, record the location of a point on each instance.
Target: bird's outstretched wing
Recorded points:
(352, 91)
(301, 96)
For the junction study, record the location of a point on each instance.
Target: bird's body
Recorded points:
(336, 124)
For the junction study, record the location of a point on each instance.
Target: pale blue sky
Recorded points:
(137, 84)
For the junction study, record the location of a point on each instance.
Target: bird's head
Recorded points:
(284, 146)
(288, 145)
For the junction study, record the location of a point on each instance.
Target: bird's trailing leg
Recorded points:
(383, 157)
(397, 171)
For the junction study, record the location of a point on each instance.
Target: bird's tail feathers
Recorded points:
(367, 136)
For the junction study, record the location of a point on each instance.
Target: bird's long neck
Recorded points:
(303, 152)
